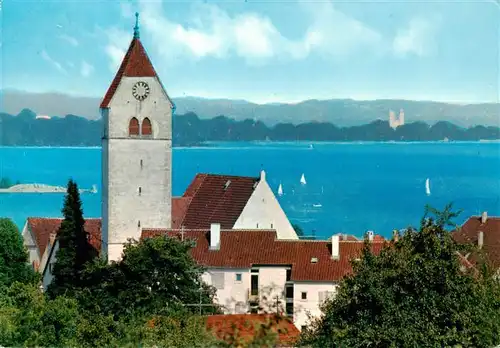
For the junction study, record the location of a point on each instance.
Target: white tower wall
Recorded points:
(136, 170)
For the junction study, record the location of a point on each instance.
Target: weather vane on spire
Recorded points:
(136, 28)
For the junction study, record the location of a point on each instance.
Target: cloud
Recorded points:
(118, 41)
(212, 32)
(86, 69)
(69, 39)
(417, 38)
(54, 63)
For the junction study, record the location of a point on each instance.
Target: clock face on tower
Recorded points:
(140, 91)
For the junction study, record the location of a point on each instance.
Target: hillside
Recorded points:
(342, 112)
(25, 130)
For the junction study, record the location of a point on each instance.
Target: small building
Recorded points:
(254, 271)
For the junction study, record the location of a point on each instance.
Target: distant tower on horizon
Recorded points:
(396, 122)
(136, 152)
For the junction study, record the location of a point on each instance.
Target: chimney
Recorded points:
(369, 236)
(484, 217)
(336, 247)
(480, 239)
(214, 236)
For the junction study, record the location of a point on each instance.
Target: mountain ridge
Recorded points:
(341, 112)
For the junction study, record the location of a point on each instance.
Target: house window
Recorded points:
(146, 127)
(133, 126)
(138, 223)
(272, 226)
(238, 277)
(289, 291)
(288, 274)
(257, 225)
(140, 190)
(141, 164)
(303, 295)
(289, 309)
(218, 280)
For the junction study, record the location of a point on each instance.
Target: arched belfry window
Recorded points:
(146, 127)
(133, 127)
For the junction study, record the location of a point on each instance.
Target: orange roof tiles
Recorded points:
(245, 325)
(245, 248)
(179, 208)
(136, 63)
(469, 233)
(42, 228)
(213, 202)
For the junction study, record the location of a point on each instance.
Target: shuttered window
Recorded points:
(218, 280)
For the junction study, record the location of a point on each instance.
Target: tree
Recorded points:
(156, 276)
(13, 256)
(413, 294)
(75, 250)
(27, 318)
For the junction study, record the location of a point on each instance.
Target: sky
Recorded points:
(261, 51)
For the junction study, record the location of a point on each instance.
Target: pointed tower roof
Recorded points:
(136, 63)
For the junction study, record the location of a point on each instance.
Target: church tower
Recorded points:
(136, 152)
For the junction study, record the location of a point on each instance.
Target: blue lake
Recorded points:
(351, 187)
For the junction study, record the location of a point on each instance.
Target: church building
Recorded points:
(243, 236)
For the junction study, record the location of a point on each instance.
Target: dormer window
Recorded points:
(146, 127)
(133, 127)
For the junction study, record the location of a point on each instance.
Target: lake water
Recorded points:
(351, 187)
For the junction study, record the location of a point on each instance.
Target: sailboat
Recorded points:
(428, 187)
(303, 179)
(280, 190)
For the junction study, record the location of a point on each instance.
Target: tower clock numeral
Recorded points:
(140, 91)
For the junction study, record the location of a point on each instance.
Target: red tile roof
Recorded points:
(179, 209)
(245, 248)
(42, 228)
(469, 233)
(212, 202)
(245, 325)
(136, 63)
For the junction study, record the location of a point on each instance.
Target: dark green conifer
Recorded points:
(74, 250)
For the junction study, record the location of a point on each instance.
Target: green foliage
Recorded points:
(156, 276)
(414, 294)
(13, 256)
(75, 250)
(32, 320)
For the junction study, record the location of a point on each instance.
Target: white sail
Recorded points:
(428, 187)
(280, 190)
(303, 179)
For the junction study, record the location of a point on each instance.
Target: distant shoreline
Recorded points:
(214, 144)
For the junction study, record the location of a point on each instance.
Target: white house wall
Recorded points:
(30, 244)
(263, 211)
(312, 304)
(47, 275)
(233, 292)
